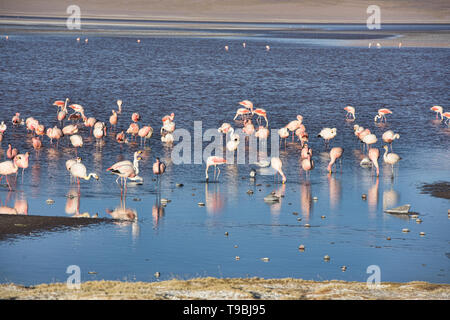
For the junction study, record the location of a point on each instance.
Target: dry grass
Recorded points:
(226, 289)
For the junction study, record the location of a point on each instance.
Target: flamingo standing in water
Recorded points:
(390, 158)
(22, 161)
(9, 167)
(249, 128)
(77, 142)
(335, 153)
(262, 133)
(439, 111)
(119, 105)
(3, 127)
(145, 133)
(78, 170)
(16, 119)
(261, 113)
(369, 139)
(294, 125)
(307, 164)
(350, 111)
(89, 123)
(277, 165)
(135, 117)
(446, 115)
(327, 134)
(37, 143)
(382, 114)
(389, 137)
(159, 168)
(284, 134)
(374, 154)
(214, 161)
(70, 163)
(168, 118)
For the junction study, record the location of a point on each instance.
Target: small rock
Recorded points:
(136, 199)
(252, 173)
(343, 268)
(193, 194)
(179, 185)
(265, 259)
(364, 196)
(419, 220)
(50, 201)
(388, 238)
(237, 258)
(326, 258)
(301, 247)
(249, 191)
(226, 233)
(271, 198)
(290, 203)
(295, 213)
(164, 200)
(323, 217)
(414, 216)
(307, 225)
(95, 215)
(267, 185)
(201, 204)
(299, 219)
(92, 272)
(235, 245)
(405, 230)
(422, 233)
(157, 274)
(315, 198)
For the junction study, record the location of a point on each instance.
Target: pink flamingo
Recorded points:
(242, 112)
(158, 168)
(335, 153)
(261, 113)
(374, 154)
(16, 119)
(135, 117)
(40, 130)
(262, 133)
(3, 127)
(120, 137)
(350, 111)
(22, 161)
(214, 161)
(98, 133)
(389, 137)
(145, 133)
(77, 142)
(168, 118)
(247, 104)
(249, 128)
(70, 129)
(284, 134)
(89, 123)
(8, 167)
(11, 152)
(37, 143)
(439, 110)
(446, 115)
(113, 119)
(307, 164)
(276, 164)
(294, 125)
(78, 109)
(119, 105)
(61, 116)
(1, 136)
(306, 152)
(133, 129)
(382, 114)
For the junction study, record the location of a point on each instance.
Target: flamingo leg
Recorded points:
(218, 173)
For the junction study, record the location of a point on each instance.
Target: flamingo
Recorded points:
(226, 48)
(389, 137)
(247, 104)
(61, 115)
(78, 109)
(439, 110)
(261, 113)
(307, 164)
(369, 139)
(99, 132)
(61, 104)
(214, 161)
(39, 130)
(327, 134)
(168, 127)
(350, 111)
(89, 123)
(374, 154)
(276, 164)
(447, 116)
(3, 127)
(22, 161)
(284, 134)
(294, 125)
(224, 127)
(306, 152)
(382, 114)
(133, 129)
(335, 153)
(11, 152)
(78, 171)
(37, 143)
(125, 169)
(262, 133)
(159, 168)
(8, 167)
(70, 163)
(390, 158)
(77, 142)
(70, 129)
(168, 118)
(145, 133)
(135, 117)
(1, 136)
(16, 119)
(249, 128)
(242, 112)
(167, 138)
(119, 105)
(120, 137)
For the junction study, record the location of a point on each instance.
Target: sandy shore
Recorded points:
(226, 289)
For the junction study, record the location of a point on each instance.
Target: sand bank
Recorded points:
(225, 289)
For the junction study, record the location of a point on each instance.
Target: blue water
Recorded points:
(199, 81)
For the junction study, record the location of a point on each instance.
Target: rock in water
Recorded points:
(399, 210)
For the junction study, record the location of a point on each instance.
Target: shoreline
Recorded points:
(210, 288)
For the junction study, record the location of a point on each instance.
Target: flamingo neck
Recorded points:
(89, 176)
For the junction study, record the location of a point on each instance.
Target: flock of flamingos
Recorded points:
(129, 170)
